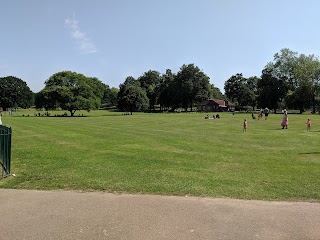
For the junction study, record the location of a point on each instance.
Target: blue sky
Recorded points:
(113, 39)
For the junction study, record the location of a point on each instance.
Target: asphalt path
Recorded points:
(29, 214)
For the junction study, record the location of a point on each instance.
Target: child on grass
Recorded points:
(285, 120)
(309, 125)
(245, 125)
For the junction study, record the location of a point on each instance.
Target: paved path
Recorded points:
(71, 215)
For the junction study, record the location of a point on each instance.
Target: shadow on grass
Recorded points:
(311, 153)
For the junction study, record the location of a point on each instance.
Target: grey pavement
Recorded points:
(29, 214)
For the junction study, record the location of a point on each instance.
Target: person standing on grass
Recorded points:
(309, 125)
(285, 120)
(260, 114)
(245, 125)
(266, 113)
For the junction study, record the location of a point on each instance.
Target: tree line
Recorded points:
(291, 80)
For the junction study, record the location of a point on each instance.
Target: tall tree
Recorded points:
(15, 92)
(233, 86)
(307, 75)
(271, 90)
(246, 96)
(71, 91)
(301, 73)
(283, 66)
(215, 92)
(150, 82)
(110, 96)
(168, 90)
(193, 85)
(131, 97)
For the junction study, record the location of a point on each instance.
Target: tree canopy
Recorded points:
(290, 80)
(301, 74)
(193, 85)
(131, 96)
(241, 90)
(271, 90)
(71, 91)
(150, 82)
(15, 92)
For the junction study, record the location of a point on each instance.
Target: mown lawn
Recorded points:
(169, 154)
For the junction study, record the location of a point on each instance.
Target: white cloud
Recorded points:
(85, 43)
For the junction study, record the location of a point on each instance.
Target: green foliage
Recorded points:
(215, 93)
(167, 91)
(271, 90)
(71, 91)
(241, 90)
(301, 73)
(150, 82)
(233, 85)
(110, 96)
(170, 90)
(283, 66)
(193, 85)
(14, 92)
(131, 96)
(307, 74)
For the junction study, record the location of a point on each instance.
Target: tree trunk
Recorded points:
(301, 110)
(72, 112)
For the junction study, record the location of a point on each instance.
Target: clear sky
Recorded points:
(113, 39)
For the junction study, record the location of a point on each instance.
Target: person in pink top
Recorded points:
(309, 125)
(245, 125)
(285, 120)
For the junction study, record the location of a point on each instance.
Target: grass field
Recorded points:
(168, 154)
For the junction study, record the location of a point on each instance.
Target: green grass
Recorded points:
(168, 154)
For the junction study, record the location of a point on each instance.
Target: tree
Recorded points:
(300, 98)
(71, 91)
(150, 82)
(301, 74)
(131, 96)
(252, 84)
(215, 92)
(15, 92)
(241, 90)
(168, 90)
(307, 75)
(284, 66)
(246, 97)
(271, 90)
(232, 87)
(193, 85)
(110, 96)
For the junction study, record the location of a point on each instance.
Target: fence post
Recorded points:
(5, 150)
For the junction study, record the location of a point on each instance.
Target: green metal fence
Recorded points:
(5, 149)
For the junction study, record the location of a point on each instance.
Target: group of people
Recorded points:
(213, 117)
(284, 122)
(262, 112)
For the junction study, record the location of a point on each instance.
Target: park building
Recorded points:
(215, 105)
